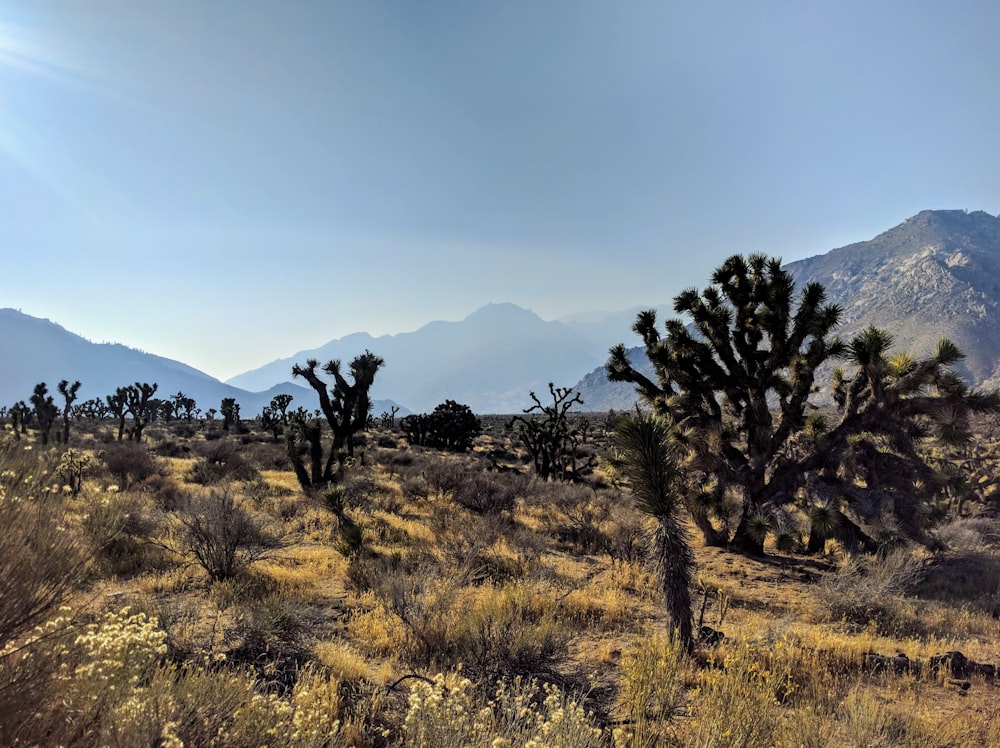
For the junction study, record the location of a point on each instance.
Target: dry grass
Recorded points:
(535, 601)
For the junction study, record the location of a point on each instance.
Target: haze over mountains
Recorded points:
(490, 360)
(37, 350)
(935, 275)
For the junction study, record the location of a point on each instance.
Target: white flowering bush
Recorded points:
(119, 652)
(521, 714)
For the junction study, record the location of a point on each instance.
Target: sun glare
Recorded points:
(25, 51)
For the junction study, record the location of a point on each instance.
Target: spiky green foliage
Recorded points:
(738, 382)
(877, 460)
(649, 461)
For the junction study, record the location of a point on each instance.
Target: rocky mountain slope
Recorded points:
(935, 275)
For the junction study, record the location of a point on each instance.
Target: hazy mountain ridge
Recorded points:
(935, 275)
(490, 360)
(38, 350)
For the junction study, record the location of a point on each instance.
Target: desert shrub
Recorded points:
(222, 536)
(271, 633)
(489, 493)
(738, 703)
(380, 572)
(450, 425)
(443, 475)
(118, 534)
(358, 485)
(472, 487)
(448, 711)
(128, 463)
(41, 562)
(491, 631)
(386, 441)
(120, 693)
(105, 666)
(171, 448)
(652, 690)
(223, 461)
(166, 492)
(869, 589)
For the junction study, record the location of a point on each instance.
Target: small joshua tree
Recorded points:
(280, 403)
(118, 406)
(45, 410)
(648, 459)
(137, 397)
(345, 407)
(552, 442)
(68, 391)
(20, 416)
(230, 410)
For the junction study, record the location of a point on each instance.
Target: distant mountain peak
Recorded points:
(501, 310)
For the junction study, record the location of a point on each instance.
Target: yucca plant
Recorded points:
(648, 459)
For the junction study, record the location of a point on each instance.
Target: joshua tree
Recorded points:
(752, 348)
(345, 407)
(118, 406)
(873, 460)
(137, 397)
(20, 416)
(45, 410)
(68, 391)
(183, 406)
(279, 404)
(648, 461)
(230, 410)
(551, 441)
(94, 408)
(271, 420)
(737, 387)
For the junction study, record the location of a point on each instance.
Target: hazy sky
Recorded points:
(227, 182)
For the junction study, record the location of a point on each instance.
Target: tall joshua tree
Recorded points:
(118, 406)
(737, 386)
(752, 348)
(345, 407)
(648, 460)
(137, 400)
(68, 391)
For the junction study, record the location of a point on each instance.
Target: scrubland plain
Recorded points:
(186, 591)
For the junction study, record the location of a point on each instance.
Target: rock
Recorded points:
(710, 637)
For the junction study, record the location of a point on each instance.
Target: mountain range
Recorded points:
(935, 275)
(490, 360)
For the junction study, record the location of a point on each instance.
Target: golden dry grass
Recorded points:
(433, 586)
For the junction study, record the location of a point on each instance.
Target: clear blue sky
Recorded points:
(227, 182)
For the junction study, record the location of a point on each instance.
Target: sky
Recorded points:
(227, 182)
